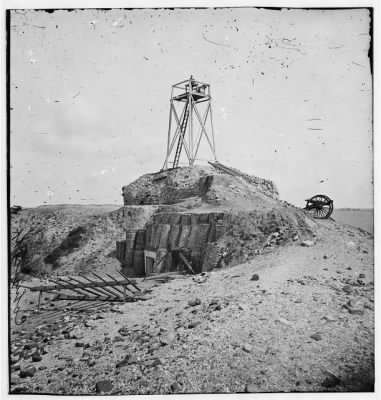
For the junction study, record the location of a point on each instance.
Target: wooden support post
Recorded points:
(211, 124)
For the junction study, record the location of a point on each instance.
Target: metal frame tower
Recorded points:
(186, 125)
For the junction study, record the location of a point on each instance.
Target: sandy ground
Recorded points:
(306, 324)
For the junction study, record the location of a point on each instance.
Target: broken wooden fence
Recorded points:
(86, 289)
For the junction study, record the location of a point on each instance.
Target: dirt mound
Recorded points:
(209, 183)
(66, 239)
(214, 215)
(219, 217)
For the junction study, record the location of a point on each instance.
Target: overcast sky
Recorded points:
(292, 98)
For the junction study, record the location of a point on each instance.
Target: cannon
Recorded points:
(319, 206)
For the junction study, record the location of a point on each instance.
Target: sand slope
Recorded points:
(306, 324)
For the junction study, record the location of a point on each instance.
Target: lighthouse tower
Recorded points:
(190, 122)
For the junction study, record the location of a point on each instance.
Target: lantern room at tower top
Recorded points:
(200, 91)
(189, 122)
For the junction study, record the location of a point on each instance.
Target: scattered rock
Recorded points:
(143, 382)
(331, 381)
(347, 289)
(200, 278)
(158, 361)
(298, 300)
(247, 347)
(123, 331)
(167, 340)
(243, 306)
(355, 311)
(255, 277)
(20, 389)
(175, 387)
(251, 388)
(283, 321)
(193, 324)
(103, 386)
(325, 256)
(30, 346)
(36, 357)
(316, 336)
(76, 333)
(16, 367)
(127, 360)
(307, 243)
(29, 371)
(194, 302)
(215, 305)
(133, 359)
(14, 359)
(329, 318)
(354, 303)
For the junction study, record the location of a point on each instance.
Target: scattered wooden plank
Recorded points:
(99, 298)
(186, 263)
(48, 288)
(88, 298)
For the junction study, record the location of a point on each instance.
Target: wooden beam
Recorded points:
(99, 298)
(198, 140)
(99, 290)
(131, 282)
(203, 128)
(88, 298)
(186, 262)
(83, 285)
(114, 291)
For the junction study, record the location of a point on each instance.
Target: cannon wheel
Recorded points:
(320, 206)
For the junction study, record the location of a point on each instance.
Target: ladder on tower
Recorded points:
(183, 127)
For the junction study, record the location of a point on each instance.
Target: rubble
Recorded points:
(103, 386)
